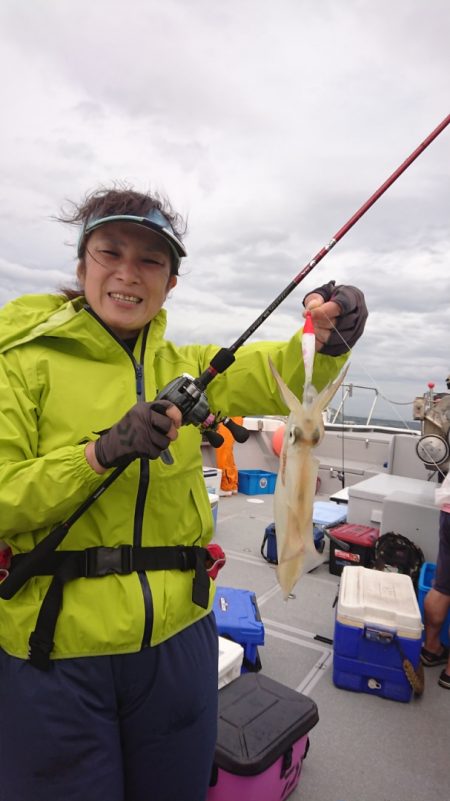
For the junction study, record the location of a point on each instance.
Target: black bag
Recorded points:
(397, 554)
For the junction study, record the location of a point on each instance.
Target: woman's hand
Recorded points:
(324, 316)
(339, 314)
(144, 431)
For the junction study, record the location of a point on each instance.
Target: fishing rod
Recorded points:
(339, 235)
(188, 393)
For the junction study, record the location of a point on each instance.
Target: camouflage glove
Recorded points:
(141, 433)
(351, 321)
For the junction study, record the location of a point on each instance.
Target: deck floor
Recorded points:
(364, 748)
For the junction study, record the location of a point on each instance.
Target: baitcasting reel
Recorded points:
(188, 394)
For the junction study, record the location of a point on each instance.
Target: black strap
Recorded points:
(96, 562)
(102, 561)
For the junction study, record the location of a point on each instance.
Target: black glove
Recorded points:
(141, 433)
(351, 321)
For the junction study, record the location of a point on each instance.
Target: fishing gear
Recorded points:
(188, 393)
(192, 392)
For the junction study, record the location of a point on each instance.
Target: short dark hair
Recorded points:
(120, 198)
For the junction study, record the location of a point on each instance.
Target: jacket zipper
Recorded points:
(144, 479)
(144, 482)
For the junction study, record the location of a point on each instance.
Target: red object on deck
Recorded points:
(277, 439)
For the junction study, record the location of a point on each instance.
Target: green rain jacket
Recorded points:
(64, 377)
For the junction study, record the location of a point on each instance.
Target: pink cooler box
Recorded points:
(262, 740)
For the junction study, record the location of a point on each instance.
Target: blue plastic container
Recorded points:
(237, 617)
(426, 577)
(256, 482)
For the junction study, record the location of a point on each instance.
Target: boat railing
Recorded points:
(337, 418)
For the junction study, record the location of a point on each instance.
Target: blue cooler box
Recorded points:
(237, 617)
(269, 543)
(329, 514)
(326, 514)
(378, 624)
(426, 577)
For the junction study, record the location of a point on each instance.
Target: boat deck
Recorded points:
(364, 748)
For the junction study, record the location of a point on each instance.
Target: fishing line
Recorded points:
(371, 378)
(388, 400)
(209, 374)
(189, 394)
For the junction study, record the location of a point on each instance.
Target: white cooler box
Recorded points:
(213, 477)
(365, 500)
(231, 655)
(214, 503)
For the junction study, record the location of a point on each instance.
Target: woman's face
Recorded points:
(125, 275)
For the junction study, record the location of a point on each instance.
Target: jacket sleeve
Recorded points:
(248, 386)
(36, 491)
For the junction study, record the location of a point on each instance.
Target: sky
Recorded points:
(267, 125)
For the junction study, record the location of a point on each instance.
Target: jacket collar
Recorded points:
(34, 316)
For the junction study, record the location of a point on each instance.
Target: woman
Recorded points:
(108, 653)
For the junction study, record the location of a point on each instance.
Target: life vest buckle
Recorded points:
(103, 561)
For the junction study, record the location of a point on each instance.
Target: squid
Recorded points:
(296, 480)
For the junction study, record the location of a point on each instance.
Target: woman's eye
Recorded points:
(109, 253)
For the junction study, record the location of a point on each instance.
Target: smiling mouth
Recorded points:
(126, 298)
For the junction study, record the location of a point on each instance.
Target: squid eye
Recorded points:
(294, 435)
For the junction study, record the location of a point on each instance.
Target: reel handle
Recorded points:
(239, 433)
(214, 438)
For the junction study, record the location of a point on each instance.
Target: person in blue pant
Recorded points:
(437, 600)
(109, 649)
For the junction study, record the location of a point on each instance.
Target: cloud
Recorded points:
(268, 127)
(14, 275)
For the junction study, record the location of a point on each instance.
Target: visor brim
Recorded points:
(165, 231)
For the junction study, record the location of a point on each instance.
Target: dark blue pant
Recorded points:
(442, 575)
(132, 727)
